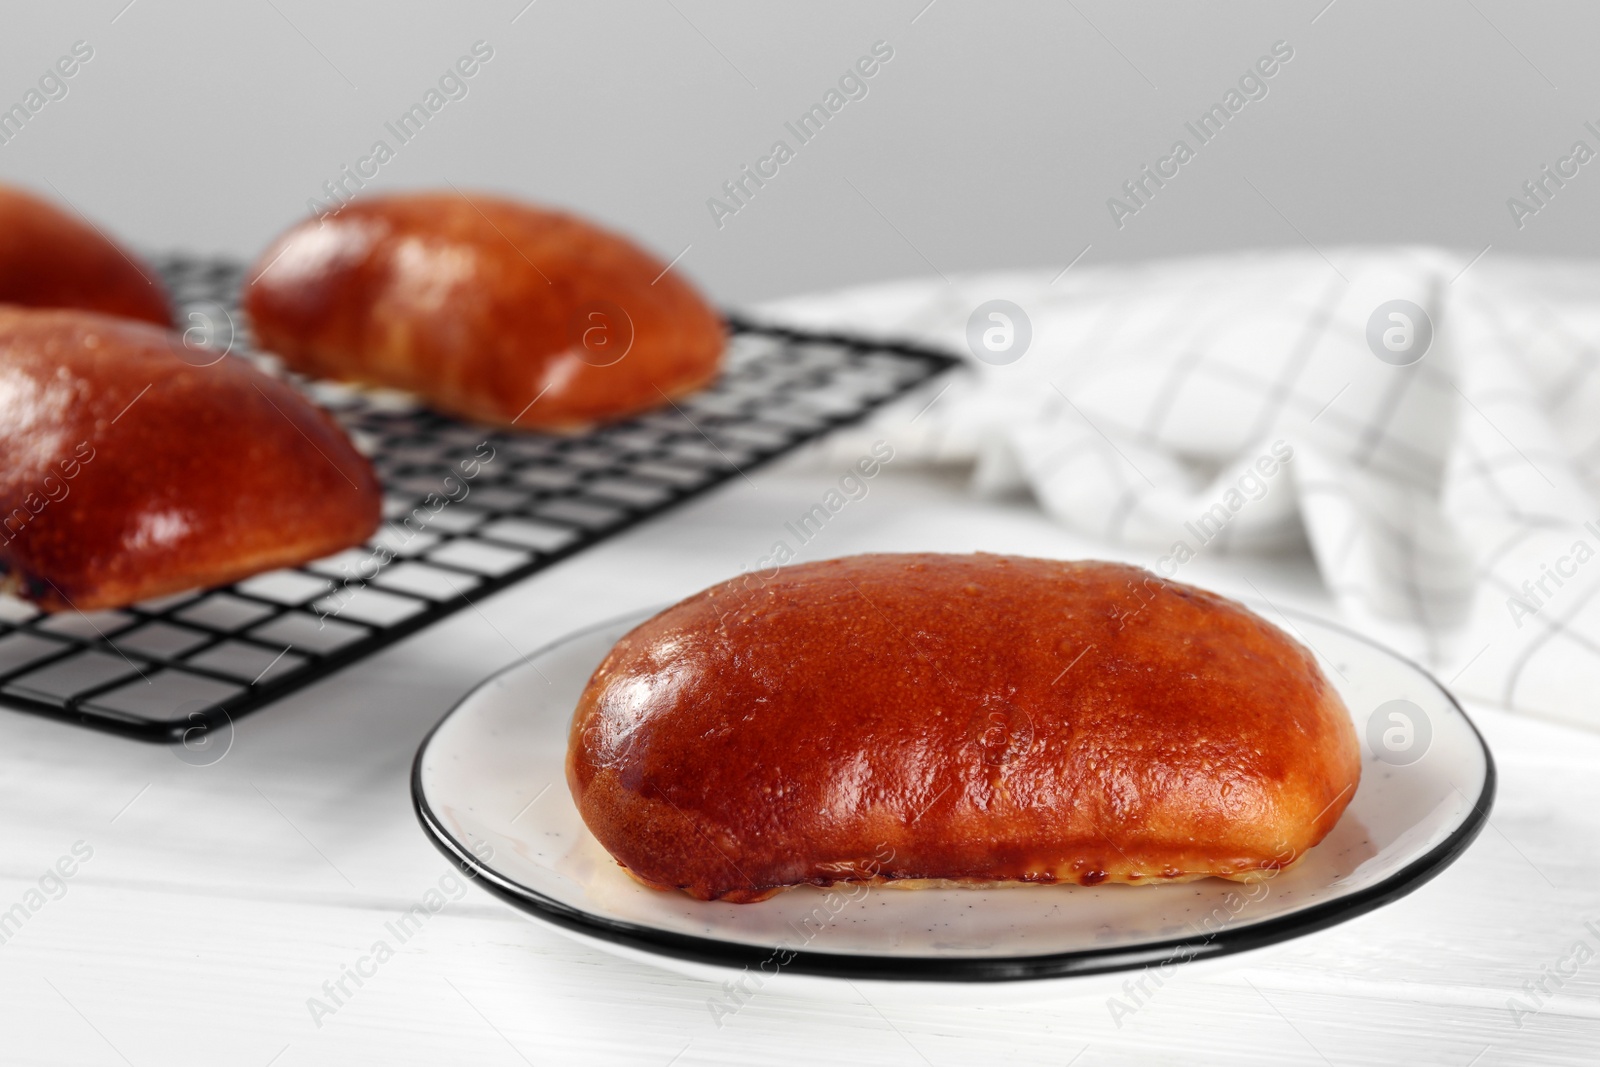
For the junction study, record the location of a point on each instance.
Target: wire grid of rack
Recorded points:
(168, 669)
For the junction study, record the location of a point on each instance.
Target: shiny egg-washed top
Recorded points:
(51, 259)
(489, 309)
(129, 470)
(965, 718)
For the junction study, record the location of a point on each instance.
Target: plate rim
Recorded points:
(715, 952)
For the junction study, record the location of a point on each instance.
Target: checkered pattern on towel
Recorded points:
(1446, 503)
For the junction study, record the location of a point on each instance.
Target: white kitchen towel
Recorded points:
(1248, 402)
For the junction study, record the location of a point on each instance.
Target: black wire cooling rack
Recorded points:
(166, 669)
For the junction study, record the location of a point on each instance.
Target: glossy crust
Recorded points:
(481, 305)
(129, 473)
(51, 259)
(934, 719)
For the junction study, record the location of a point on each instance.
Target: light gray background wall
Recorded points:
(992, 139)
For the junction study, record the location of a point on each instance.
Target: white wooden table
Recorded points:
(219, 898)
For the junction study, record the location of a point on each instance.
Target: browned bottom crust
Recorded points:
(1245, 875)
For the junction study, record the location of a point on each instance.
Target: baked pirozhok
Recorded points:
(51, 259)
(130, 473)
(980, 719)
(486, 308)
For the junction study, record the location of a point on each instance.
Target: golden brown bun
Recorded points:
(480, 305)
(129, 473)
(975, 719)
(50, 259)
